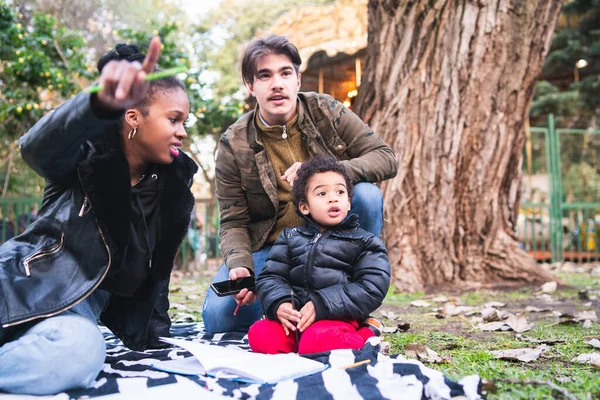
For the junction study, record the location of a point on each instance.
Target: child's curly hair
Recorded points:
(314, 166)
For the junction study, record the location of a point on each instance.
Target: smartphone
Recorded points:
(227, 288)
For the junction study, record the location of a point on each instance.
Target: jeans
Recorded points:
(48, 356)
(367, 202)
(217, 312)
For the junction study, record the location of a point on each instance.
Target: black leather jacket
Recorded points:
(344, 271)
(82, 229)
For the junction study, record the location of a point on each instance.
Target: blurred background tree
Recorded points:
(49, 49)
(227, 28)
(569, 86)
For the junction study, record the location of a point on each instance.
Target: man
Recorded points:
(257, 160)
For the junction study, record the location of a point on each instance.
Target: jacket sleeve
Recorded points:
(233, 207)
(160, 322)
(370, 283)
(51, 147)
(273, 283)
(372, 160)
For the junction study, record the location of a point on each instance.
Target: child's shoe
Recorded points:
(375, 325)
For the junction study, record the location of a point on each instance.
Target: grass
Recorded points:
(469, 347)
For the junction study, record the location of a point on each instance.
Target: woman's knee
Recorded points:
(88, 347)
(63, 352)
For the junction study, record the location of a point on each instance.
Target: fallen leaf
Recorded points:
(525, 355)
(488, 386)
(569, 321)
(420, 303)
(536, 309)
(594, 343)
(562, 379)
(403, 326)
(388, 314)
(583, 295)
(450, 310)
(179, 306)
(544, 297)
(440, 299)
(592, 358)
(491, 314)
(518, 323)
(539, 341)
(423, 353)
(549, 287)
(192, 297)
(494, 326)
(494, 304)
(586, 315)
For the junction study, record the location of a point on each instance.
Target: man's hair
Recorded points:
(315, 166)
(271, 44)
(132, 53)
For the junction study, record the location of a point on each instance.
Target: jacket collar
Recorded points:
(348, 227)
(253, 129)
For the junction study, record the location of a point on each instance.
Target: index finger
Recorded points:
(152, 56)
(249, 298)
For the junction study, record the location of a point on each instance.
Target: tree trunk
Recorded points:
(448, 84)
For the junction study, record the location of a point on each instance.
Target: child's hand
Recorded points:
(288, 317)
(307, 316)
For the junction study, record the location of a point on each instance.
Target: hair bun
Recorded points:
(122, 51)
(129, 52)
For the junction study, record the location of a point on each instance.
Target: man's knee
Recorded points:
(367, 194)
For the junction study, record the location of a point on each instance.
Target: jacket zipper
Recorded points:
(311, 260)
(85, 203)
(86, 294)
(43, 253)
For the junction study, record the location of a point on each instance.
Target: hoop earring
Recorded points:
(132, 133)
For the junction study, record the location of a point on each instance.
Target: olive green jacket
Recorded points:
(246, 182)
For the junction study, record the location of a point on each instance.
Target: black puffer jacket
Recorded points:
(82, 229)
(344, 271)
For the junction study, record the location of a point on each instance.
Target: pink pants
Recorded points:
(266, 336)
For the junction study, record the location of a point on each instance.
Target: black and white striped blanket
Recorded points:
(128, 374)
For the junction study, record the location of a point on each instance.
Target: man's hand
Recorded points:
(307, 316)
(246, 296)
(290, 174)
(123, 84)
(288, 317)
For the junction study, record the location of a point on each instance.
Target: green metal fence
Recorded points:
(560, 210)
(204, 244)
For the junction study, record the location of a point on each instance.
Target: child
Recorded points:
(321, 280)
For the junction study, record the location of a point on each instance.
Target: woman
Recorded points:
(116, 207)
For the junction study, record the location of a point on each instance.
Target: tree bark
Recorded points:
(448, 84)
